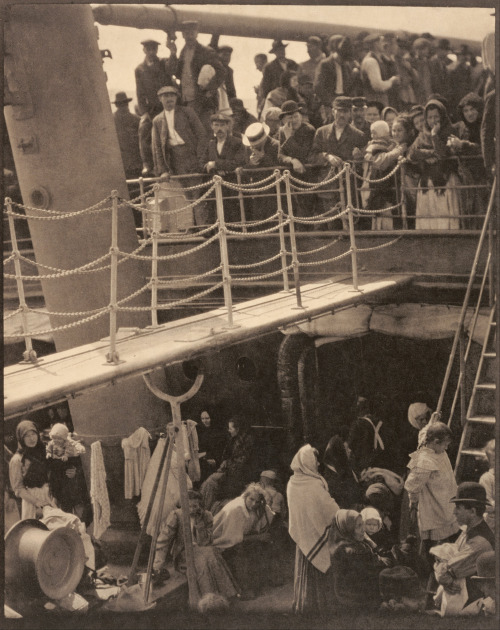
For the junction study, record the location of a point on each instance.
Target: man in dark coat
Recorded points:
(272, 71)
(359, 121)
(225, 153)
(335, 143)
(337, 75)
(150, 76)
(197, 92)
(179, 144)
(225, 53)
(376, 74)
(242, 118)
(438, 64)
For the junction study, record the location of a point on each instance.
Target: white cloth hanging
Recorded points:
(99, 491)
(54, 518)
(137, 456)
(172, 492)
(377, 440)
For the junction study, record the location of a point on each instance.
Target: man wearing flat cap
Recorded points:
(179, 145)
(272, 72)
(224, 154)
(335, 143)
(315, 51)
(475, 539)
(375, 73)
(199, 70)
(150, 76)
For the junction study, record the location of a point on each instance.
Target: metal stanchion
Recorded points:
(403, 196)
(241, 200)
(29, 355)
(354, 260)
(112, 355)
(143, 206)
(224, 257)
(293, 241)
(286, 286)
(154, 258)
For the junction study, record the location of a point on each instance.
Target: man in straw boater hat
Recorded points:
(179, 145)
(199, 70)
(150, 76)
(475, 539)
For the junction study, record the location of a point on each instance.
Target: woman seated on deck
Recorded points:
(242, 532)
(212, 573)
(355, 566)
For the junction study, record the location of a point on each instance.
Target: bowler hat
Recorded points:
(397, 582)
(220, 117)
(358, 101)
(225, 47)
(342, 102)
(277, 43)
(150, 42)
(189, 25)
(255, 133)
(168, 89)
(444, 44)
(236, 104)
(289, 107)
(485, 566)
(121, 97)
(470, 492)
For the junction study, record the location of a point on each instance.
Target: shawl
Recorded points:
(36, 474)
(311, 509)
(136, 459)
(234, 522)
(99, 491)
(343, 526)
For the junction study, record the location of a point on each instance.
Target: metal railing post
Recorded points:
(224, 256)
(286, 286)
(491, 245)
(112, 355)
(293, 241)
(29, 354)
(154, 258)
(143, 205)
(403, 196)
(354, 250)
(463, 403)
(241, 200)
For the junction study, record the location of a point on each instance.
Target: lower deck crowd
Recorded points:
(374, 524)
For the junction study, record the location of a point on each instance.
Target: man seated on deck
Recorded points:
(476, 538)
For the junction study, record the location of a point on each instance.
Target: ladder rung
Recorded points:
(474, 452)
(490, 355)
(487, 386)
(482, 419)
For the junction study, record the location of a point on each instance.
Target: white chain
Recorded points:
(59, 328)
(174, 256)
(371, 249)
(382, 179)
(173, 304)
(319, 249)
(320, 262)
(257, 264)
(253, 223)
(189, 278)
(13, 314)
(381, 211)
(268, 231)
(261, 277)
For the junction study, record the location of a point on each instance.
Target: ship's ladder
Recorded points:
(481, 410)
(476, 420)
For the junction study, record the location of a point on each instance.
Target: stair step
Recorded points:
(486, 386)
(474, 452)
(482, 419)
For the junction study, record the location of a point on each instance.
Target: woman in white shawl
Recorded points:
(311, 510)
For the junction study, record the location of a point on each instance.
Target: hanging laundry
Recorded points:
(137, 456)
(99, 491)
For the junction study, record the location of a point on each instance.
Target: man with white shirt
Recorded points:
(376, 73)
(179, 144)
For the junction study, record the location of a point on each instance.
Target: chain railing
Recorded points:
(149, 203)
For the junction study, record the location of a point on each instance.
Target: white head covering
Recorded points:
(59, 430)
(380, 127)
(311, 508)
(370, 513)
(414, 411)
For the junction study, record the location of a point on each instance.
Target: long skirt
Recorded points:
(439, 210)
(212, 573)
(313, 590)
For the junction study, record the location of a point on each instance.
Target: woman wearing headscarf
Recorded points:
(311, 511)
(466, 144)
(287, 91)
(438, 199)
(29, 472)
(355, 566)
(341, 479)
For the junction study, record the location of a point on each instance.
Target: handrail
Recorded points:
(470, 284)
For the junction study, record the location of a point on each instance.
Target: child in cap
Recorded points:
(61, 446)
